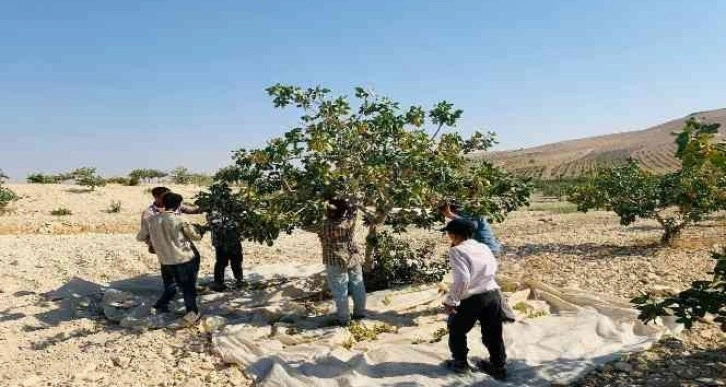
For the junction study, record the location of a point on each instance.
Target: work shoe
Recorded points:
(191, 318)
(357, 317)
(161, 308)
(240, 284)
(458, 366)
(217, 287)
(498, 373)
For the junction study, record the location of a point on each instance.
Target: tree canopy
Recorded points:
(394, 163)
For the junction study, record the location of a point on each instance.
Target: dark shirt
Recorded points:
(225, 231)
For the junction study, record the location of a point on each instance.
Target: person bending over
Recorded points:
(483, 232)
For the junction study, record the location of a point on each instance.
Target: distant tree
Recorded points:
(181, 175)
(87, 177)
(6, 194)
(127, 181)
(676, 199)
(40, 178)
(200, 179)
(146, 175)
(556, 188)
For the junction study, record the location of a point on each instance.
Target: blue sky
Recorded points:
(122, 85)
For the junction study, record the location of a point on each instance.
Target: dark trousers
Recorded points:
(225, 256)
(184, 276)
(485, 308)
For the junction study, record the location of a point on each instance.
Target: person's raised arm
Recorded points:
(189, 210)
(190, 232)
(448, 214)
(350, 220)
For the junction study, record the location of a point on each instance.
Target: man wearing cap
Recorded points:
(474, 296)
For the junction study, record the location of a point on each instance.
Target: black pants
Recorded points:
(485, 308)
(225, 256)
(183, 275)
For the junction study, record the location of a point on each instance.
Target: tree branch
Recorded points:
(436, 133)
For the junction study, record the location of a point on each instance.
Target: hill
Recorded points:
(653, 147)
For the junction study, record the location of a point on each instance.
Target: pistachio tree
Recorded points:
(395, 164)
(87, 177)
(702, 191)
(675, 200)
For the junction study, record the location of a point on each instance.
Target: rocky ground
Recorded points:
(50, 339)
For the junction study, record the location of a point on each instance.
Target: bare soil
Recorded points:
(49, 339)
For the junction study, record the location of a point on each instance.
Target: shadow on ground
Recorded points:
(80, 299)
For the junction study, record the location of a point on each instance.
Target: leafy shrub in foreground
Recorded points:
(691, 304)
(399, 263)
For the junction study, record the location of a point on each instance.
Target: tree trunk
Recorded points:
(672, 232)
(372, 237)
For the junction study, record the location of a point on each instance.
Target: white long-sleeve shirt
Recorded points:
(473, 268)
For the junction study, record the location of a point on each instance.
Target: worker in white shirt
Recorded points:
(474, 296)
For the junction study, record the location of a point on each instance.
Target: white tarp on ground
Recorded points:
(280, 347)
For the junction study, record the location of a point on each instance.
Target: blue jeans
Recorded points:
(485, 235)
(184, 276)
(344, 281)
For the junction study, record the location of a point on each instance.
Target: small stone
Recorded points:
(674, 343)
(33, 380)
(213, 323)
(623, 367)
(710, 382)
(655, 381)
(687, 372)
(121, 361)
(92, 376)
